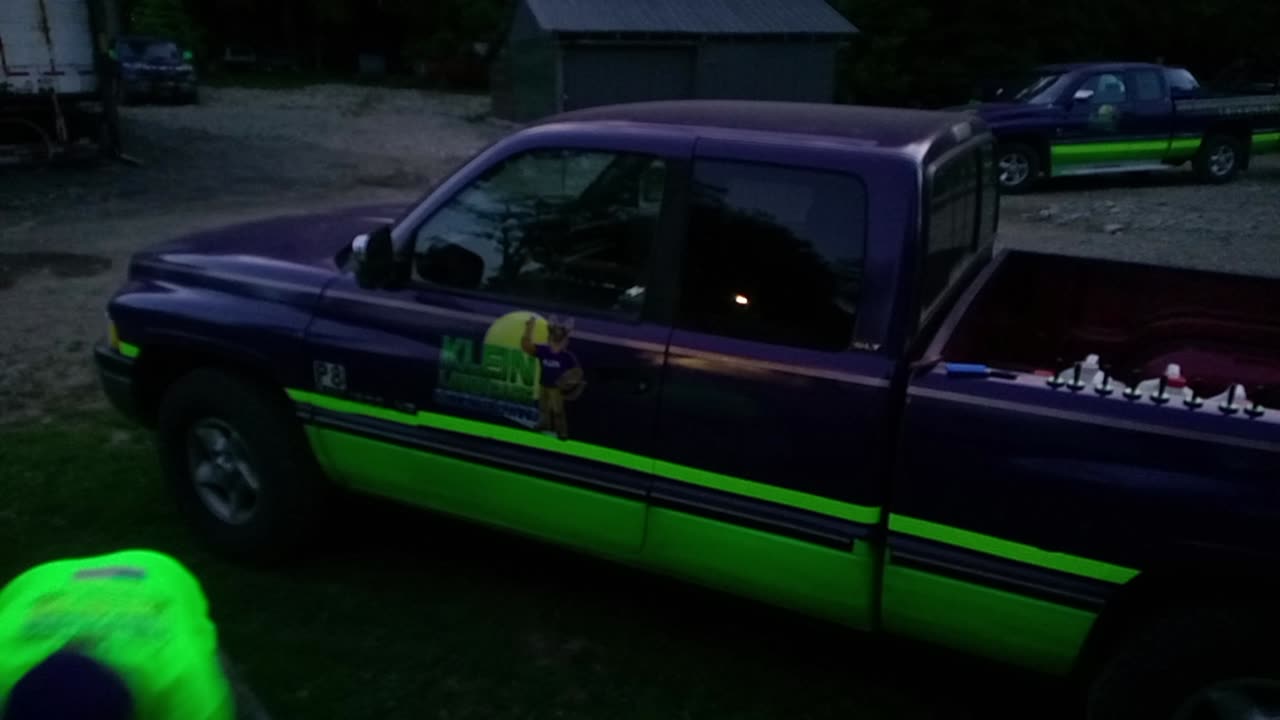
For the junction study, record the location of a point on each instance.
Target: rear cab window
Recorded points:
(962, 217)
(774, 254)
(1181, 81)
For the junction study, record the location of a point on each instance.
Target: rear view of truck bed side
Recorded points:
(1073, 498)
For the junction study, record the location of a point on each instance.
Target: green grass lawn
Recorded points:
(404, 614)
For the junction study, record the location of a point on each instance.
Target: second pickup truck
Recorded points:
(767, 348)
(1094, 118)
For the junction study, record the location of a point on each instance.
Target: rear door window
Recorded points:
(1149, 87)
(1181, 81)
(774, 254)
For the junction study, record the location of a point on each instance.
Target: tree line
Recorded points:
(910, 52)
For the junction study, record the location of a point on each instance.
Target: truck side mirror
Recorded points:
(451, 265)
(375, 258)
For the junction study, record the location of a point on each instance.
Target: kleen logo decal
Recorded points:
(495, 375)
(523, 371)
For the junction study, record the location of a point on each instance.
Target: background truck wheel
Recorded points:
(1019, 167)
(1217, 664)
(1219, 159)
(239, 465)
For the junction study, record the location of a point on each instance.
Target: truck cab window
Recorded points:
(566, 227)
(963, 213)
(774, 254)
(1181, 81)
(1108, 88)
(1148, 85)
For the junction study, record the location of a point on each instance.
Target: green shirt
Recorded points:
(138, 612)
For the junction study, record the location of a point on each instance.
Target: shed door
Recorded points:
(604, 75)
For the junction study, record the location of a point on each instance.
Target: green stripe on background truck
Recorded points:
(1098, 118)
(55, 83)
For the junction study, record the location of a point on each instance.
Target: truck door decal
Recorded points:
(523, 370)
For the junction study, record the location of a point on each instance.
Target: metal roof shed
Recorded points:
(571, 54)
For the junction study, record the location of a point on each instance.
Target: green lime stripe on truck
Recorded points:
(628, 461)
(1014, 628)
(1082, 153)
(832, 583)
(988, 545)
(975, 542)
(1065, 155)
(1266, 141)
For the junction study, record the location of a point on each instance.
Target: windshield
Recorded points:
(149, 51)
(1040, 91)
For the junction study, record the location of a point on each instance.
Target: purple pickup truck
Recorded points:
(763, 347)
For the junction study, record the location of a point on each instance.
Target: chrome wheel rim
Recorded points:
(221, 472)
(1015, 168)
(1240, 699)
(1222, 161)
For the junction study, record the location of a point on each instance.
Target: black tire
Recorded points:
(290, 493)
(1160, 669)
(1018, 166)
(1219, 159)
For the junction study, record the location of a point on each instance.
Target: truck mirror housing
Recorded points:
(374, 256)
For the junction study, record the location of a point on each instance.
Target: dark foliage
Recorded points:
(912, 52)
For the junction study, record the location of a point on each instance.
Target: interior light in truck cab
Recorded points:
(742, 300)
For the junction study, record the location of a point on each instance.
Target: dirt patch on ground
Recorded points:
(1163, 218)
(68, 229)
(57, 264)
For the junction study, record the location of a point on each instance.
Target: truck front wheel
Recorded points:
(1216, 664)
(239, 465)
(1219, 159)
(1019, 167)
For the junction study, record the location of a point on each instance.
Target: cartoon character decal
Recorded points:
(561, 378)
(521, 371)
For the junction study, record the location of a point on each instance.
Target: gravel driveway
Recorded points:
(66, 232)
(1162, 218)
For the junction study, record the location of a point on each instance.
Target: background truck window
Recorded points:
(963, 215)
(1149, 87)
(563, 227)
(774, 255)
(1108, 88)
(1181, 81)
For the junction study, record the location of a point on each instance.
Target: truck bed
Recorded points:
(1041, 312)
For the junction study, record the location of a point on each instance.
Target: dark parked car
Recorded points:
(155, 69)
(761, 346)
(1094, 118)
